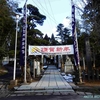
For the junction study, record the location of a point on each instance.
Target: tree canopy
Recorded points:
(91, 26)
(7, 24)
(64, 34)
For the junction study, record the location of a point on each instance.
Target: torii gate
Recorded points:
(51, 50)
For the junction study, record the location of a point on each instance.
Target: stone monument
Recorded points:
(68, 68)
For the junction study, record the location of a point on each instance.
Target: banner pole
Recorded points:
(75, 45)
(25, 68)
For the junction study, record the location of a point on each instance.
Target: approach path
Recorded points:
(51, 82)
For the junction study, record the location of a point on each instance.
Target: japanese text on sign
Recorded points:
(39, 50)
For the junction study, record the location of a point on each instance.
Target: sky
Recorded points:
(55, 11)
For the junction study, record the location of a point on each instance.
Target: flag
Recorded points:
(74, 34)
(23, 38)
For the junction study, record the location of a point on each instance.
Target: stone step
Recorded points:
(51, 90)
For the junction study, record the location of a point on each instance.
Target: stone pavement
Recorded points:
(51, 82)
(52, 86)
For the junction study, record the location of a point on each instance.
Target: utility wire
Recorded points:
(50, 17)
(47, 18)
(52, 10)
(47, 12)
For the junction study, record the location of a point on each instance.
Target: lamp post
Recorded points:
(14, 73)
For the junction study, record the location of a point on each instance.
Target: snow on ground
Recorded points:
(44, 67)
(68, 77)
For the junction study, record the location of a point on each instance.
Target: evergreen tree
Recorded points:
(60, 32)
(47, 39)
(7, 24)
(52, 40)
(91, 19)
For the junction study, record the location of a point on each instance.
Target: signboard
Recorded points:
(51, 50)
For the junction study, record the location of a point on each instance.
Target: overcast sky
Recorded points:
(55, 11)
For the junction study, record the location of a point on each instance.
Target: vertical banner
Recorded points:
(74, 34)
(22, 48)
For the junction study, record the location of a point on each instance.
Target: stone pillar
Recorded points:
(35, 67)
(59, 61)
(62, 64)
(38, 68)
(28, 74)
(41, 64)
